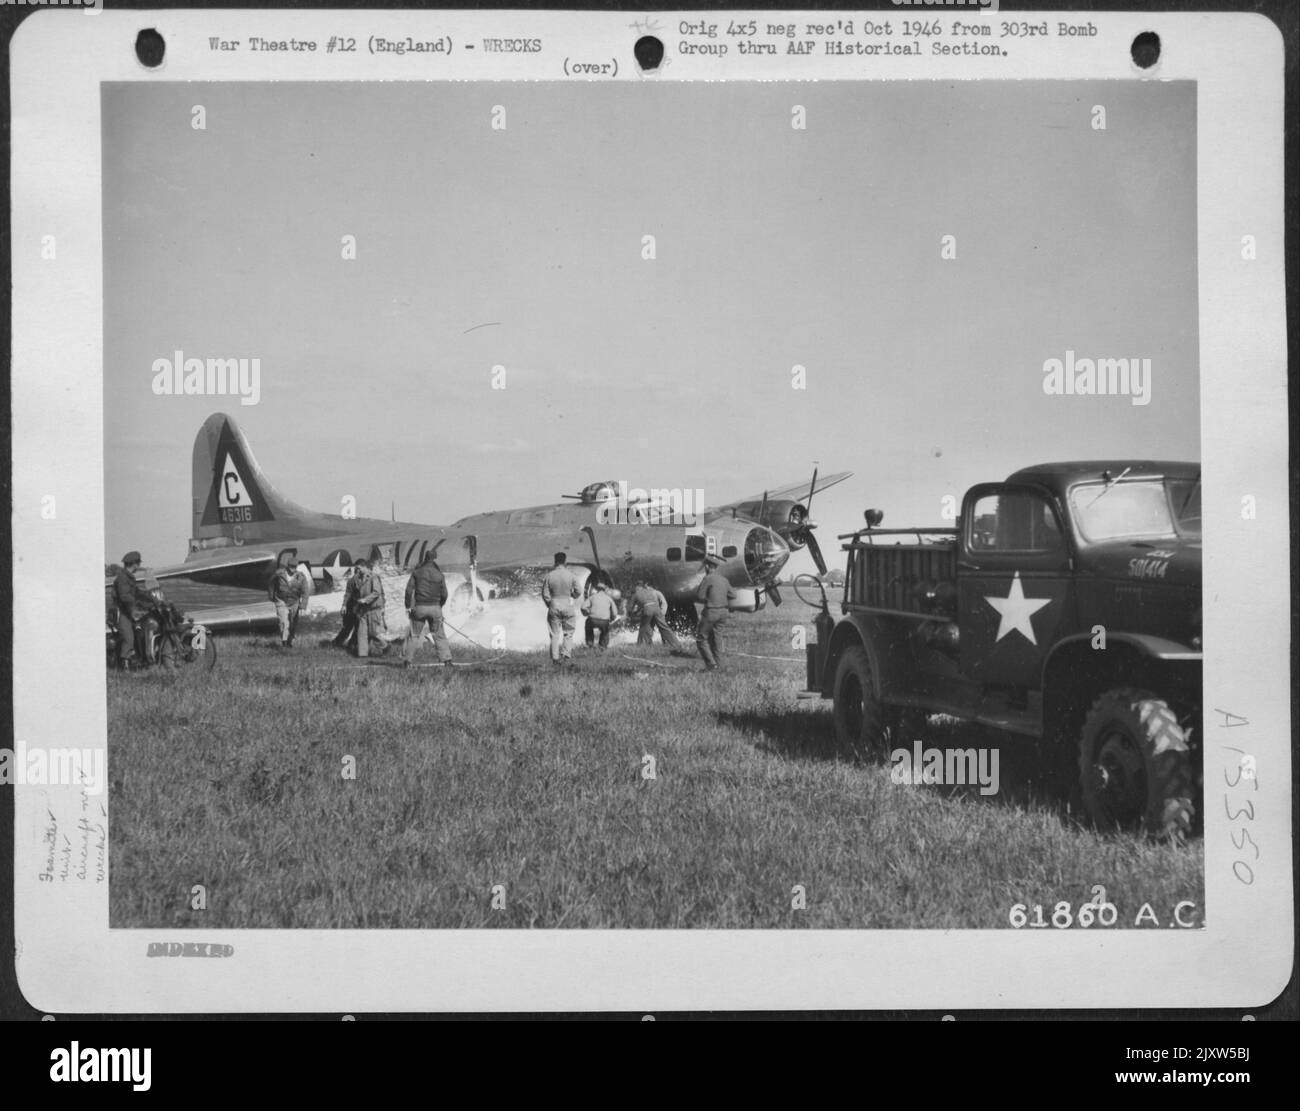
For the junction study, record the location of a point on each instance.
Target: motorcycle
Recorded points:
(164, 637)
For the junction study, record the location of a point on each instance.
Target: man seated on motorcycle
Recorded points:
(132, 601)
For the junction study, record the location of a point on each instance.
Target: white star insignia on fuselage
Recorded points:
(1015, 611)
(337, 568)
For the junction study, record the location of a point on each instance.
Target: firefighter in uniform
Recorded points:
(559, 589)
(716, 594)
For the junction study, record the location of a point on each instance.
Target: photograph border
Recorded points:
(69, 960)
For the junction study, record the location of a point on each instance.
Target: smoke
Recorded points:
(516, 623)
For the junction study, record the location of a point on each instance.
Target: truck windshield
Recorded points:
(1185, 496)
(1123, 509)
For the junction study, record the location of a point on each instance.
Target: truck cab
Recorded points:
(1065, 606)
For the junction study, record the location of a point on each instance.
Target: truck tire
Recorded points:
(859, 718)
(1135, 766)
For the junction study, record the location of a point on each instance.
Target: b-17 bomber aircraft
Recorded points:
(243, 528)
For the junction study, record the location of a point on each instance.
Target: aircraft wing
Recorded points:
(217, 561)
(221, 619)
(261, 614)
(797, 490)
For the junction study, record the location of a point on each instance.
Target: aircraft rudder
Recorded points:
(231, 494)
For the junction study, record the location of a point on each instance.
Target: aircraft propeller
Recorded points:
(804, 533)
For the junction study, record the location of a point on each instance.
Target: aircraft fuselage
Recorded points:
(505, 547)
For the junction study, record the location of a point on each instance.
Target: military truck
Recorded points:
(1065, 606)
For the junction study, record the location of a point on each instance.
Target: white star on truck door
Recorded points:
(1015, 611)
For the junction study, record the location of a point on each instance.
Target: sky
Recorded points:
(775, 247)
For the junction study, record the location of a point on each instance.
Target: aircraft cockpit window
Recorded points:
(729, 551)
(695, 549)
(674, 555)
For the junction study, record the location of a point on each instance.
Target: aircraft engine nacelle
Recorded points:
(747, 600)
(787, 521)
(784, 517)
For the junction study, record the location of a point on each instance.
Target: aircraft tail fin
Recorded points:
(233, 499)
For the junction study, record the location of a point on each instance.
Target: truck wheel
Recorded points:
(859, 719)
(1135, 766)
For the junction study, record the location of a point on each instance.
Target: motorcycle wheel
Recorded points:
(151, 641)
(196, 653)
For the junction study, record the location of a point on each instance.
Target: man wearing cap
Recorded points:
(286, 592)
(716, 594)
(559, 589)
(426, 594)
(131, 600)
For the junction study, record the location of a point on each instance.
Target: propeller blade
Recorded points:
(815, 550)
(762, 510)
(812, 489)
(774, 594)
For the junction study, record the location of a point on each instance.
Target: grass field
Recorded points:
(511, 779)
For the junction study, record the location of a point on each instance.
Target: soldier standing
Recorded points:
(286, 592)
(350, 595)
(559, 589)
(716, 594)
(426, 594)
(371, 624)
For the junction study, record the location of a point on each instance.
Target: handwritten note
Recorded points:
(76, 852)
